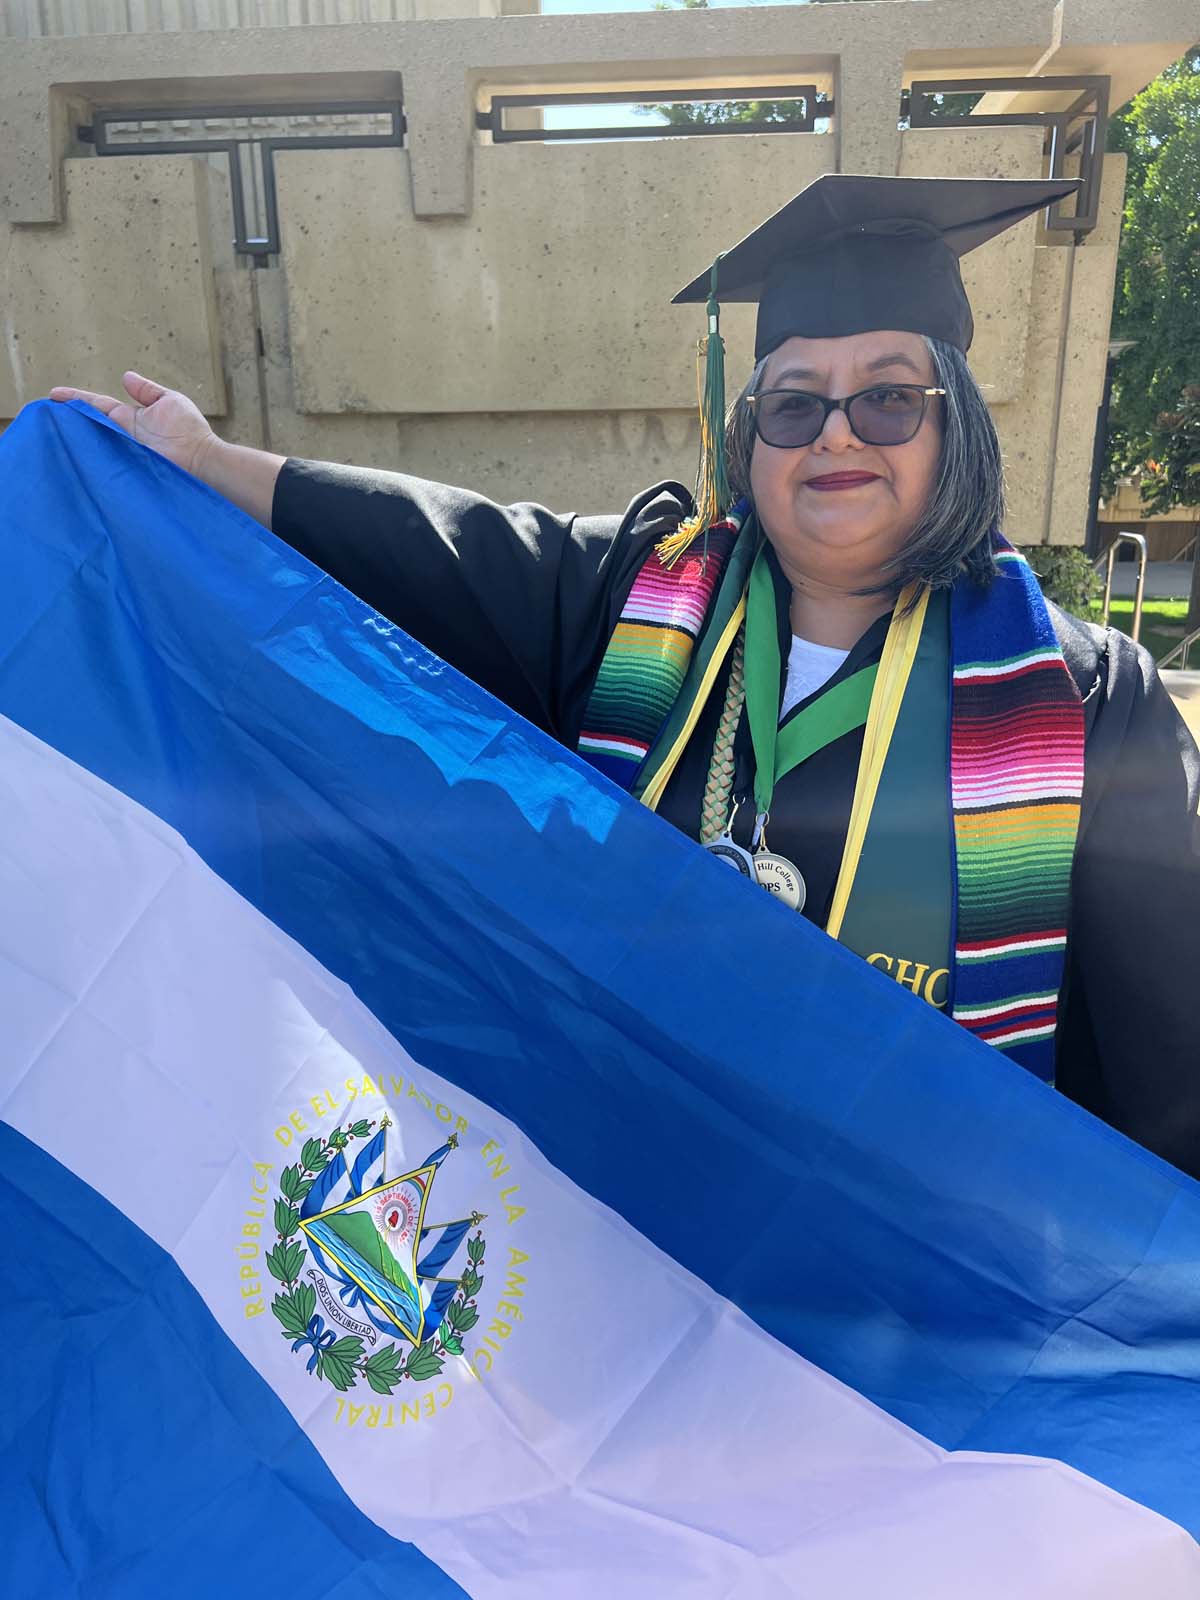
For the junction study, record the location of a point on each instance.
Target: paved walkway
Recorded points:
(1185, 691)
(1165, 580)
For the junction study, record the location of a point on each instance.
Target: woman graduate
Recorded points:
(832, 670)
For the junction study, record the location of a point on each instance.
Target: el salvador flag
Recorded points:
(423, 1172)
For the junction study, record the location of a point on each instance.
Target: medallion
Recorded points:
(734, 855)
(778, 876)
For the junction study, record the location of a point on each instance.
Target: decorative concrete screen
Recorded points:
(495, 312)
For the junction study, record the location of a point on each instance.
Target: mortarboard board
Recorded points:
(850, 254)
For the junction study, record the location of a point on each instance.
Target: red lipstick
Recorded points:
(840, 480)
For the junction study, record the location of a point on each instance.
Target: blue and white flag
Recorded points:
(423, 1172)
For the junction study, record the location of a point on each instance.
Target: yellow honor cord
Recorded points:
(657, 785)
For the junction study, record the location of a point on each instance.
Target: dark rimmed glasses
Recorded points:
(884, 414)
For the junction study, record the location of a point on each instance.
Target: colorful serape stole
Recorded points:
(1016, 771)
(1016, 777)
(647, 658)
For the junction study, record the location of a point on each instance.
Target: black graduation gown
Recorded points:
(525, 602)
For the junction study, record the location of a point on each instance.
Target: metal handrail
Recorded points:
(1181, 650)
(1138, 539)
(1180, 555)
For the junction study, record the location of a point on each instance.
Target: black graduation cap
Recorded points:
(851, 254)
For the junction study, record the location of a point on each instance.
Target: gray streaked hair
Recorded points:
(967, 503)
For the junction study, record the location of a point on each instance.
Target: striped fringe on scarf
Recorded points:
(1016, 777)
(643, 669)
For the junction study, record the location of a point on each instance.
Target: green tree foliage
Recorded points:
(1066, 575)
(1173, 477)
(710, 113)
(1154, 427)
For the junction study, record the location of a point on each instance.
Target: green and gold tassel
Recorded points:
(712, 485)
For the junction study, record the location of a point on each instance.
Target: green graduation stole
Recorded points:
(895, 896)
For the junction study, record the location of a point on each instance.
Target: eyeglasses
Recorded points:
(886, 414)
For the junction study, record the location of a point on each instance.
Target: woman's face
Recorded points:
(838, 509)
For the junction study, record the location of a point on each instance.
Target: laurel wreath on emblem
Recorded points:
(342, 1362)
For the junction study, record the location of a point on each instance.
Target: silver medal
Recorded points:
(779, 877)
(734, 855)
(727, 849)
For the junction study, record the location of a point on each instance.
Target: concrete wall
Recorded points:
(497, 314)
(39, 19)
(126, 281)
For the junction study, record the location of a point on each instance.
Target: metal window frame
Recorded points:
(491, 120)
(103, 118)
(1090, 107)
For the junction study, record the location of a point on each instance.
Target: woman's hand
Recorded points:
(162, 419)
(168, 422)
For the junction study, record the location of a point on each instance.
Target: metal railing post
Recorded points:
(1182, 650)
(1139, 539)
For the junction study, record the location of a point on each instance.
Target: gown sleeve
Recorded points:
(522, 601)
(1129, 1043)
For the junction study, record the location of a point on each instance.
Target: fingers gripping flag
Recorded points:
(387, 1203)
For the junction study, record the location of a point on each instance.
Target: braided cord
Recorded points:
(718, 787)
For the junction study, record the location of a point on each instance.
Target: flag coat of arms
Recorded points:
(423, 1171)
